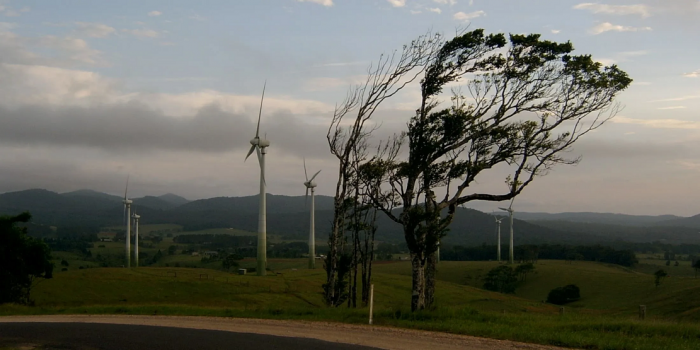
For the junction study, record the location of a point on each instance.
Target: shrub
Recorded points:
(563, 295)
(502, 279)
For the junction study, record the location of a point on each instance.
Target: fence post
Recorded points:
(642, 312)
(561, 310)
(371, 301)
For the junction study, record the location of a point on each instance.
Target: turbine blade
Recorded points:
(306, 198)
(305, 174)
(124, 218)
(503, 209)
(313, 177)
(252, 148)
(257, 131)
(127, 186)
(511, 203)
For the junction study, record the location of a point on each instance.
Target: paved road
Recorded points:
(88, 336)
(196, 332)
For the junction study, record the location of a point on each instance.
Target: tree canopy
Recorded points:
(528, 101)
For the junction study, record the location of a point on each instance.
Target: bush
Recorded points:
(502, 279)
(563, 295)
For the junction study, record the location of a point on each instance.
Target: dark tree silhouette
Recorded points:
(23, 260)
(529, 101)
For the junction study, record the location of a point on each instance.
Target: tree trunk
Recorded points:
(418, 282)
(430, 272)
(355, 262)
(332, 258)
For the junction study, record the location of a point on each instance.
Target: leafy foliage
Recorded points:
(502, 279)
(530, 101)
(230, 261)
(659, 275)
(22, 260)
(563, 295)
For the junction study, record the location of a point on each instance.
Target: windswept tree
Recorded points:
(529, 100)
(349, 130)
(23, 260)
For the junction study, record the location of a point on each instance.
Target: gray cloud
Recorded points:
(131, 126)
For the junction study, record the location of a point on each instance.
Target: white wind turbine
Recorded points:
(127, 214)
(136, 218)
(259, 145)
(498, 249)
(510, 213)
(310, 185)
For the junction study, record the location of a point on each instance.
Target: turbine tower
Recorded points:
(127, 214)
(260, 145)
(310, 185)
(510, 213)
(136, 236)
(498, 247)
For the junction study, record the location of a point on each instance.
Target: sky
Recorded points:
(168, 91)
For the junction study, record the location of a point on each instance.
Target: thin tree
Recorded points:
(349, 127)
(529, 101)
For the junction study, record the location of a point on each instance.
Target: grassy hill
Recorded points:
(603, 319)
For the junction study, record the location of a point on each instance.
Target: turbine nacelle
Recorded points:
(136, 216)
(262, 143)
(127, 201)
(310, 184)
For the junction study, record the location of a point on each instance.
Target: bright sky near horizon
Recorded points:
(168, 91)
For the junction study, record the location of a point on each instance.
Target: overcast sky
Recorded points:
(168, 92)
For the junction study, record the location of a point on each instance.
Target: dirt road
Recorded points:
(371, 336)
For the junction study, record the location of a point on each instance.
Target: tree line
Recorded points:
(532, 253)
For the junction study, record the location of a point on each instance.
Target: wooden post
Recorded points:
(371, 301)
(561, 310)
(642, 312)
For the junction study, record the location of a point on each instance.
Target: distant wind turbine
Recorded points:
(310, 185)
(136, 218)
(259, 145)
(510, 213)
(127, 215)
(498, 249)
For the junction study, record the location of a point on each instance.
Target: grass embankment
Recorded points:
(295, 294)
(605, 288)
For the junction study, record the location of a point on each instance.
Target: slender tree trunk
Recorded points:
(418, 282)
(430, 272)
(333, 245)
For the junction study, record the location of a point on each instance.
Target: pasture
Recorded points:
(604, 318)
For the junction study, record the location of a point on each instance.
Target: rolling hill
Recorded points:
(288, 217)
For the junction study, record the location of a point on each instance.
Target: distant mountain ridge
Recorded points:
(598, 218)
(288, 215)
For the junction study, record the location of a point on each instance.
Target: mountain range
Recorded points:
(288, 216)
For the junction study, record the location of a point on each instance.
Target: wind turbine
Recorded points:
(127, 215)
(136, 218)
(498, 221)
(310, 185)
(259, 145)
(510, 212)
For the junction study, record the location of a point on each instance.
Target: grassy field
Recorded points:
(605, 317)
(112, 253)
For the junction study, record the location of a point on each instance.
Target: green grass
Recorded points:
(605, 318)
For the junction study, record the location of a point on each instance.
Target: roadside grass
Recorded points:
(605, 288)
(592, 323)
